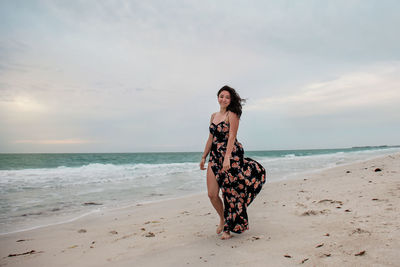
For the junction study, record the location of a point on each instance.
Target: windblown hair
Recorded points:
(236, 102)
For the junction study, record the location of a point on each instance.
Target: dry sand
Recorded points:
(344, 216)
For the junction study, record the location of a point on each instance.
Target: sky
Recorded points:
(142, 76)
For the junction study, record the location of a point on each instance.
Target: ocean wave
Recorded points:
(93, 173)
(328, 155)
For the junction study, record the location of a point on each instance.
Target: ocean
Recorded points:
(44, 189)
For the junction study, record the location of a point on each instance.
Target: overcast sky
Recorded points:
(142, 76)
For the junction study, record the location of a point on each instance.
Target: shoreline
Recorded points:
(318, 170)
(106, 209)
(323, 218)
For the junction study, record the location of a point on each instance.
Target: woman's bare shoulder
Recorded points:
(212, 116)
(233, 115)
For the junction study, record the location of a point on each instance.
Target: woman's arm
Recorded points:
(233, 128)
(207, 147)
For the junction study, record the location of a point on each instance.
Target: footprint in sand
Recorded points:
(301, 205)
(150, 234)
(331, 201)
(360, 231)
(314, 212)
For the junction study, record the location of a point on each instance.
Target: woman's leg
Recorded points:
(213, 190)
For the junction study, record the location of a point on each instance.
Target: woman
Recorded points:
(240, 179)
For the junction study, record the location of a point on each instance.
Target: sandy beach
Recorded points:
(343, 216)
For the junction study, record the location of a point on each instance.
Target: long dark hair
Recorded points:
(236, 102)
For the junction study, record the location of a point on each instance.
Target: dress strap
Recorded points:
(212, 118)
(227, 118)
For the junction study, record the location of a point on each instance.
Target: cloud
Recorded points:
(22, 104)
(120, 71)
(374, 87)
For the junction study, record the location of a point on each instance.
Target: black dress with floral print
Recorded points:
(240, 183)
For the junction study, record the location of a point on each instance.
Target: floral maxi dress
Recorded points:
(240, 183)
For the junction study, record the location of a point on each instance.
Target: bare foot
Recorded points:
(225, 236)
(220, 227)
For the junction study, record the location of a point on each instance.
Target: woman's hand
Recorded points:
(227, 164)
(203, 160)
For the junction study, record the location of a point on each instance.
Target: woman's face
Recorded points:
(224, 99)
